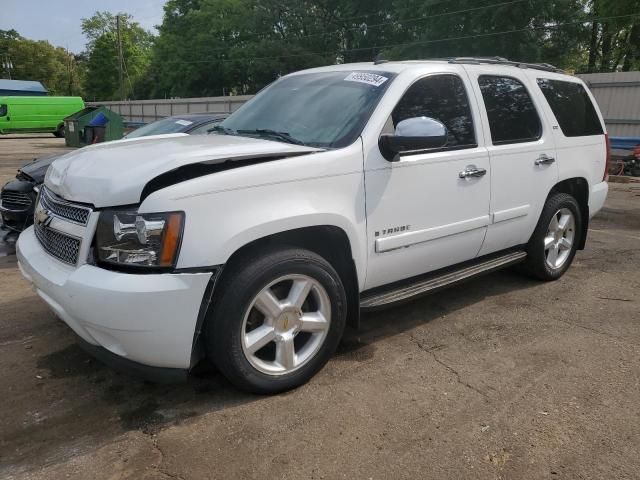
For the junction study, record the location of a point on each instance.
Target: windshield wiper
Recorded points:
(272, 133)
(221, 129)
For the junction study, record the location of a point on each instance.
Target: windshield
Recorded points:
(327, 109)
(166, 125)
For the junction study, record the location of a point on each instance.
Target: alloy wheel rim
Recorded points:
(286, 324)
(558, 242)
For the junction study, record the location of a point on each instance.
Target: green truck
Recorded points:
(37, 114)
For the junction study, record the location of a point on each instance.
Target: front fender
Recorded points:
(323, 189)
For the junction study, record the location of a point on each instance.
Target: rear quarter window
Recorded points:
(512, 115)
(572, 107)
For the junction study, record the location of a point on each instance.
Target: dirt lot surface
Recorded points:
(16, 150)
(500, 378)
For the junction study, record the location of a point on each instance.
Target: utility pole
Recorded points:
(69, 68)
(120, 59)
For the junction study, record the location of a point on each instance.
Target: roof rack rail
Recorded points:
(503, 61)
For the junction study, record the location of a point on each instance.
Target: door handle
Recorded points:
(544, 160)
(472, 171)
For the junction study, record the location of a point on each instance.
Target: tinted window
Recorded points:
(3, 110)
(205, 128)
(162, 127)
(572, 107)
(512, 116)
(443, 98)
(326, 109)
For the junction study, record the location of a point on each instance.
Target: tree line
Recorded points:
(222, 47)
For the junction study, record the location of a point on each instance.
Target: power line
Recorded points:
(379, 25)
(422, 42)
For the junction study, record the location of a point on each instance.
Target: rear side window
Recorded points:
(443, 98)
(572, 107)
(512, 115)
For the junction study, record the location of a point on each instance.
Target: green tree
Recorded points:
(101, 80)
(53, 66)
(615, 40)
(212, 47)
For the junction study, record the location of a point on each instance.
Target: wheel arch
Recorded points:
(328, 241)
(578, 188)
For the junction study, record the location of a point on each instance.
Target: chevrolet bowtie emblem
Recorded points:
(42, 217)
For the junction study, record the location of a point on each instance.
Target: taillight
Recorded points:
(605, 177)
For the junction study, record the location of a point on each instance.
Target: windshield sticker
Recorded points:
(368, 78)
(185, 123)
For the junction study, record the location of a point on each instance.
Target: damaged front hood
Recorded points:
(116, 173)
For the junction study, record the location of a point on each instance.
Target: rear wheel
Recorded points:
(554, 242)
(277, 321)
(59, 133)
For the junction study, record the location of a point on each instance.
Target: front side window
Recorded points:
(443, 98)
(325, 109)
(572, 107)
(3, 110)
(512, 115)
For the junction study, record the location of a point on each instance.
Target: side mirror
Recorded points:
(413, 134)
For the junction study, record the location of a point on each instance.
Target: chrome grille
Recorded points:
(15, 200)
(63, 209)
(59, 245)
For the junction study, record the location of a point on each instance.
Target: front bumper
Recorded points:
(17, 216)
(145, 319)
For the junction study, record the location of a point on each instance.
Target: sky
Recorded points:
(58, 21)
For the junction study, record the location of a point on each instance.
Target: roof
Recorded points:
(394, 66)
(22, 86)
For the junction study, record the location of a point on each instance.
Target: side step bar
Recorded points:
(437, 281)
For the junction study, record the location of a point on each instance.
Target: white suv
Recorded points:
(335, 189)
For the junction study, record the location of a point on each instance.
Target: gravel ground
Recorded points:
(500, 378)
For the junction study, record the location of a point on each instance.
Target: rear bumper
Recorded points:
(148, 320)
(597, 197)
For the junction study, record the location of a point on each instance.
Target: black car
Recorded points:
(18, 197)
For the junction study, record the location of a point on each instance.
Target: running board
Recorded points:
(435, 282)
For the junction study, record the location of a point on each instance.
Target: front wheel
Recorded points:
(553, 245)
(277, 320)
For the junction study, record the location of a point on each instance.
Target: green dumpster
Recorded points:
(77, 132)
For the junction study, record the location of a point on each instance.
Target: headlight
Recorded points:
(129, 238)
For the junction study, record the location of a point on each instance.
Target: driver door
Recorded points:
(421, 215)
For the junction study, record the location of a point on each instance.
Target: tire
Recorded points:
(59, 133)
(541, 262)
(263, 363)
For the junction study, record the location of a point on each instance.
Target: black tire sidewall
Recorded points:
(536, 259)
(224, 326)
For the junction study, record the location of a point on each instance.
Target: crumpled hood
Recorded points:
(115, 173)
(39, 166)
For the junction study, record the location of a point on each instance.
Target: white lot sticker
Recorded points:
(368, 78)
(184, 122)
(71, 126)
